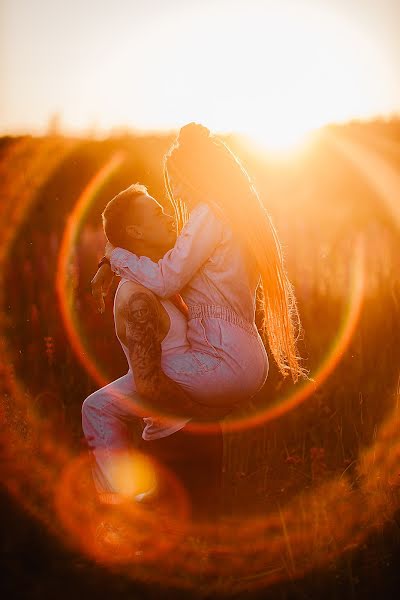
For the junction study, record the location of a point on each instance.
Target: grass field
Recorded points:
(316, 484)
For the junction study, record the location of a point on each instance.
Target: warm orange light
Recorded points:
(132, 473)
(274, 74)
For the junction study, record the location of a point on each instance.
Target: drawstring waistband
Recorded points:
(197, 311)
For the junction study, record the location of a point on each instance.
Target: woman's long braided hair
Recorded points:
(205, 165)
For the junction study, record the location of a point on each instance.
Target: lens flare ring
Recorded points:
(310, 531)
(282, 404)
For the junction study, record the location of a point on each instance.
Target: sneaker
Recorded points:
(148, 496)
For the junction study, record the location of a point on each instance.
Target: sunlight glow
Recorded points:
(290, 73)
(132, 473)
(273, 71)
(281, 139)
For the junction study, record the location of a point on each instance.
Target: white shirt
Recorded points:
(206, 266)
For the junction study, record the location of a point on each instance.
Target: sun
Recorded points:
(273, 72)
(281, 138)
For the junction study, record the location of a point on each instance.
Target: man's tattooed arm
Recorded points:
(161, 394)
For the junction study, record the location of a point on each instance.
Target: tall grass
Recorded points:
(319, 203)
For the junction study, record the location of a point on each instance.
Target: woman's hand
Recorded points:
(101, 284)
(108, 250)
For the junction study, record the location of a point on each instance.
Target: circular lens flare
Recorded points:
(42, 471)
(64, 280)
(282, 404)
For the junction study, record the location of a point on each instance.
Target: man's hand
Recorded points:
(101, 284)
(108, 250)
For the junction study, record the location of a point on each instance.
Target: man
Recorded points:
(153, 335)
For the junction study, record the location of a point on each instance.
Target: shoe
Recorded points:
(148, 496)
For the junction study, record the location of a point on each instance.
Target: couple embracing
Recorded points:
(185, 308)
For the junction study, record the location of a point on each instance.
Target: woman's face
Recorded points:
(184, 193)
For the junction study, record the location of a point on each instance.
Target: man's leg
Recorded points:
(107, 418)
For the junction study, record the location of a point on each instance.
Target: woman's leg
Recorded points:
(226, 372)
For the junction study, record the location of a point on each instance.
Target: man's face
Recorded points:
(153, 227)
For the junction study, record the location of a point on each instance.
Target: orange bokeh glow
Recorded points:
(53, 483)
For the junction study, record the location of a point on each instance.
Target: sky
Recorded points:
(271, 69)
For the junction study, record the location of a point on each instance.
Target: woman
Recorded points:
(227, 247)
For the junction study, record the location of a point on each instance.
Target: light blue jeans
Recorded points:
(227, 365)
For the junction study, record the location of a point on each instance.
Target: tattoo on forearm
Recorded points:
(143, 319)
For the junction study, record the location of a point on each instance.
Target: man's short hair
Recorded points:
(115, 214)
